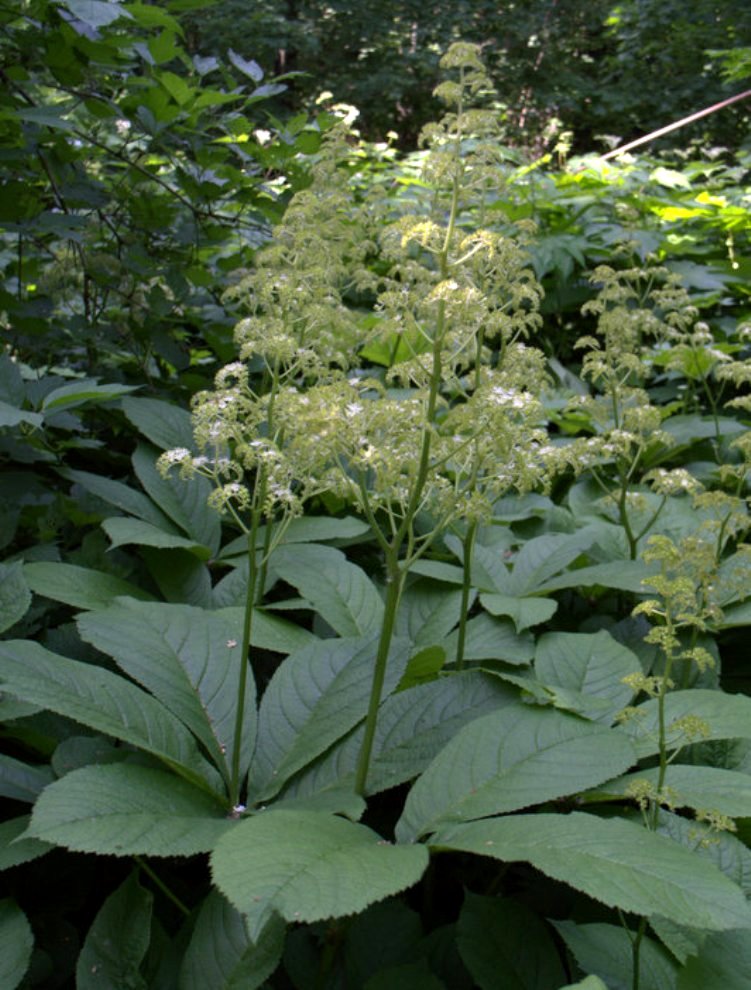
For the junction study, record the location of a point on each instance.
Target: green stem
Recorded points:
(155, 879)
(396, 578)
(635, 953)
(468, 546)
(242, 680)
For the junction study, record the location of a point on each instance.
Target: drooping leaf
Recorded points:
(507, 760)
(497, 935)
(338, 590)
(308, 866)
(614, 861)
(725, 716)
(606, 951)
(123, 809)
(220, 954)
(412, 728)
(248, 67)
(117, 941)
(314, 698)
(590, 663)
(80, 587)
(13, 849)
(96, 13)
(16, 943)
(15, 596)
(189, 659)
(103, 701)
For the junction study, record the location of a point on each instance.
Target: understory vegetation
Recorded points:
(375, 594)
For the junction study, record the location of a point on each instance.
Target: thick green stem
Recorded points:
(158, 882)
(396, 578)
(468, 547)
(242, 680)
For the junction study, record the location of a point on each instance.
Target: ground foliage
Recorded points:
(464, 476)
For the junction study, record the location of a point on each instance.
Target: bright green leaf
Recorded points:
(507, 760)
(124, 809)
(308, 866)
(221, 956)
(617, 862)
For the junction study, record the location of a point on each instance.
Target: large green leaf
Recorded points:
(117, 941)
(412, 728)
(614, 861)
(185, 502)
(123, 809)
(507, 760)
(724, 849)
(16, 943)
(338, 590)
(623, 575)
(705, 788)
(80, 587)
(488, 638)
(104, 701)
(13, 849)
(189, 659)
(427, 613)
(501, 939)
(86, 391)
(314, 698)
(23, 781)
(165, 424)
(606, 950)
(591, 664)
(725, 716)
(221, 956)
(724, 961)
(543, 556)
(308, 866)
(15, 596)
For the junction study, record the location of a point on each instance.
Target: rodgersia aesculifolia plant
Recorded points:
(451, 424)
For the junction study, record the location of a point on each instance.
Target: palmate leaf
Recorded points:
(606, 951)
(124, 809)
(314, 698)
(427, 613)
(592, 664)
(117, 941)
(524, 612)
(186, 657)
(497, 935)
(614, 861)
(221, 956)
(726, 716)
(489, 638)
(413, 726)
(103, 701)
(16, 943)
(307, 866)
(510, 759)
(338, 590)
